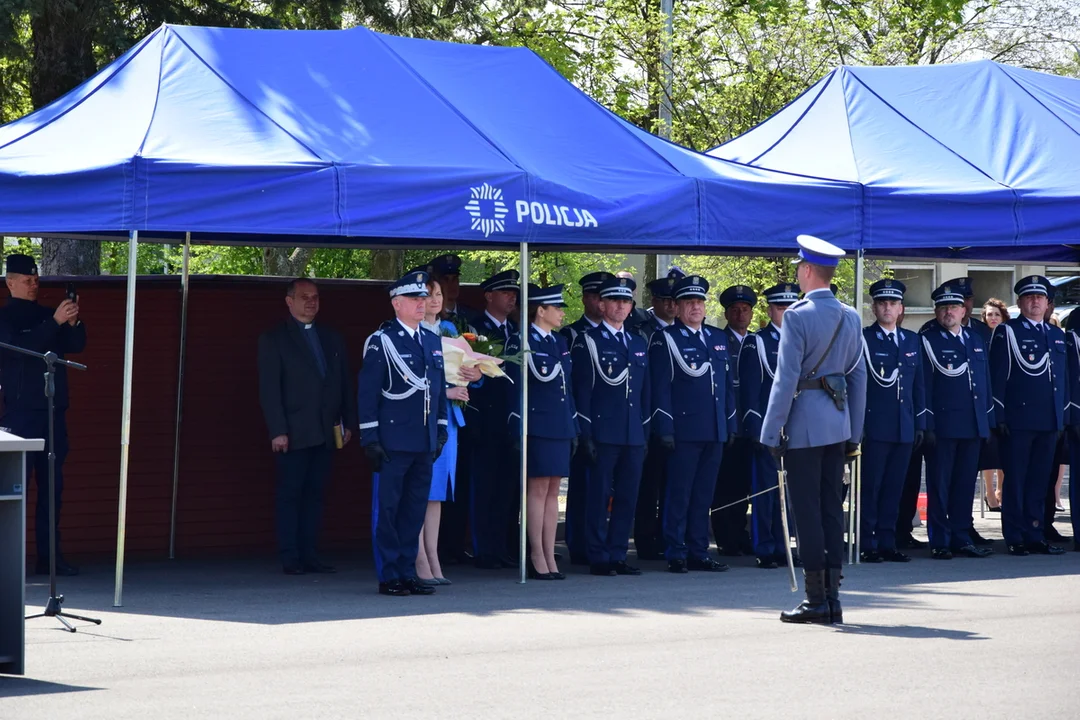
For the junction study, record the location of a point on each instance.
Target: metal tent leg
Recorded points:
(125, 415)
(524, 333)
(179, 394)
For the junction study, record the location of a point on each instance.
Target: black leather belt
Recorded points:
(809, 384)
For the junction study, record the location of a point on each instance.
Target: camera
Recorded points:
(71, 294)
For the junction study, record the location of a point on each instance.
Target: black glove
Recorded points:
(573, 446)
(1002, 430)
(730, 440)
(920, 437)
(667, 442)
(376, 456)
(590, 449)
(851, 448)
(778, 451)
(441, 436)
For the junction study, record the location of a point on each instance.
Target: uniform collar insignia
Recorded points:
(685, 333)
(880, 336)
(1026, 326)
(604, 334)
(944, 334)
(775, 335)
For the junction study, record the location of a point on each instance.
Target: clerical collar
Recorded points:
(611, 329)
(540, 331)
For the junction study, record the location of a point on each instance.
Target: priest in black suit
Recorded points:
(308, 403)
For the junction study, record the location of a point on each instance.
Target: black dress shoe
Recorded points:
(293, 570)
(415, 587)
(621, 568)
(910, 542)
(870, 556)
(972, 551)
(1052, 535)
(767, 562)
(1044, 548)
(894, 556)
(557, 575)
(1018, 550)
(602, 570)
(941, 554)
(729, 551)
(394, 588)
(543, 576)
(706, 564)
(815, 608)
(319, 568)
(978, 540)
(677, 566)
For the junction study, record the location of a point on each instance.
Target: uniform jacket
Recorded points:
(32, 326)
(571, 331)
(1072, 353)
(488, 406)
(616, 414)
(1024, 398)
(812, 419)
(962, 406)
(692, 409)
(757, 367)
(895, 386)
(552, 413)
(394, 411)
(650, 326)
(296, 400)
(734, 348)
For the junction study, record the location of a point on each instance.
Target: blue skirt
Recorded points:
(548, 458)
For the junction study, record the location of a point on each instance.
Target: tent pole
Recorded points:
(523, 332)
(856, 479)
(125, 414)
(179, 393)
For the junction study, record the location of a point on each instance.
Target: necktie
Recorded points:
(701, 339)
(620, 338)
(892, 337)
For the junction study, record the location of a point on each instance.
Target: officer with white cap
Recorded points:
(1028, 370)
(757, 367)
(402, 408)
(694, 417)
(960, 415)
(815, 419)
(611, 389)
(895, 419)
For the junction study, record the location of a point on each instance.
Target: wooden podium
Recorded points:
(13, 451)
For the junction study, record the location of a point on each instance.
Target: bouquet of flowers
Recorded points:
(471, 350)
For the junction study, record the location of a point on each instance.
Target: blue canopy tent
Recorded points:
(352, 138)
(962, 161)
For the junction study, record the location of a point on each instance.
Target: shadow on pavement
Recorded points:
(915, 632)
(19, 687)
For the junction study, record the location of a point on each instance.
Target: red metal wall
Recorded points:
(226, 488)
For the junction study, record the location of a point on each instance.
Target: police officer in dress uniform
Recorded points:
(814, 420)
(25, 323)
(402, 408)
(1027, 371)
(959, 419)
(733, 483)
(611, 389)
(553, 424)
(496, 471)
(574, 523)
(649, 517)
(757, 367)
(895, 420)
(694, 416)
(1072, 419)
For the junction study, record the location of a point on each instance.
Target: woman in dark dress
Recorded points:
(552, 425)
(994, 313)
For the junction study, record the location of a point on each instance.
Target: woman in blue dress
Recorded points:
(444, 471)
(553, 428)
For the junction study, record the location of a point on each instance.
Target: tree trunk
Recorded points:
(387, 264)
(63, 57)
(647, 277)
(286, 262)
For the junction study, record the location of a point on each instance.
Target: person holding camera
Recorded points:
(25, 323)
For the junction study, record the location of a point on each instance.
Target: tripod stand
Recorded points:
(52, 608)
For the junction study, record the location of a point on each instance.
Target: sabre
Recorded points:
(781, 476)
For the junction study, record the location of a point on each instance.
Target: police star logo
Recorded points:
(888, 283)
(622, 282)
(487, 209)
(419, 278)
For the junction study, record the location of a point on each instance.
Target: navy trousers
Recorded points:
(576, 512)
(1074, 488)
(399, 502)
(952, 467)
(732, 485)
(35, 424)
(766, 527)
(909, 496)
(1027, 456)
(614, 477)
(691, 472)
(649, 536)
(495, 491)
(884, 472)
(816, 486)
(301, 488)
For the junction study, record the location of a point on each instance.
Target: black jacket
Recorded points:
(297, 401)
(31, 326)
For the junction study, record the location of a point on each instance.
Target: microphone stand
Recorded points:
(52, 609)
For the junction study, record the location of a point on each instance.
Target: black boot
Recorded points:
(832, 594)
(815, 608)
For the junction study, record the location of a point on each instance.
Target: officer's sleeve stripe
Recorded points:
(369, 425)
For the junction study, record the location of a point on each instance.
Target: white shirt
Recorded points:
(613, 331)
(895, 334)
(959, 334)
(541, 332)
(495, 322)
(414, 334)
(774, 326)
